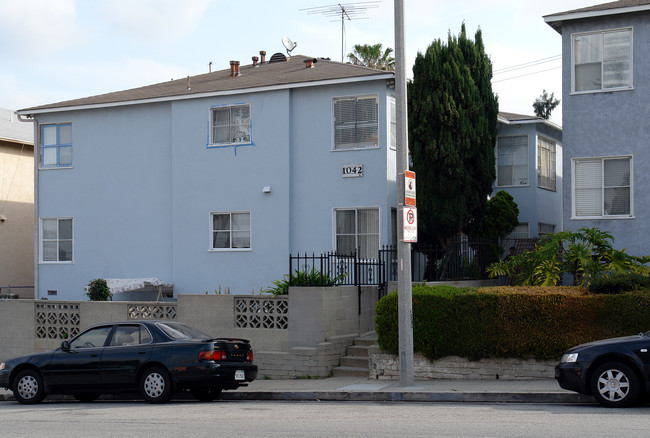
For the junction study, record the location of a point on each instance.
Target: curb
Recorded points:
(377, 396)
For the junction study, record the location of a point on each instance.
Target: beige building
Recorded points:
(16, 206)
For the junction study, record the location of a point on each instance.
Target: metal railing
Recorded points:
(331, 268)
(464, 260)
(11, 292)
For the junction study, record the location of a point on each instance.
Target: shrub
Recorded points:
(97, 290)
(484, 323)
(618, 283)
(302, 278)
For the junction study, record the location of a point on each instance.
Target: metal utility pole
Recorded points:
(404, 286)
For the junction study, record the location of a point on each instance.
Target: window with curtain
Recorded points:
(355, 122)
(55, 143)
(602, 187)
(230, 230)
(393, 123)
(546, 163)
(230, 125)
(602, 60)
(545, 229)
(512, 161)
(56, 240)
(358, 229)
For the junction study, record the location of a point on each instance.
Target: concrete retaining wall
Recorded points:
(386, 366)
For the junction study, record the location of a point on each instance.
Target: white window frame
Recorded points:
(391, 116)
(57, 239)
(356, 125)
(602, 61)
(246, 140)
(57, 146)
(230, 230)
(513, 182)
(548, 182)
(356, 233)
(603, 215)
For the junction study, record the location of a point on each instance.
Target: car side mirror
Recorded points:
(65, 346)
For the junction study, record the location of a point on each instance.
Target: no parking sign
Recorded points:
(410, 224)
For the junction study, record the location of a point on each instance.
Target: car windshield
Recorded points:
(176, 330)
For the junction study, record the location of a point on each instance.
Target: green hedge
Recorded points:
(493, 322)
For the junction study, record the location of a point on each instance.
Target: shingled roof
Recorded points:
(618, 7)
(279, 74)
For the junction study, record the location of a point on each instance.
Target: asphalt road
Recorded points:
(318, 419)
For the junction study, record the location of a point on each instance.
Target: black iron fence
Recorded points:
(464, 260)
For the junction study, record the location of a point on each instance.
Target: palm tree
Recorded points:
(372, 56)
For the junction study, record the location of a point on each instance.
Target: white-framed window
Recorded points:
(355, 122)
(512, 161)
(357, 229)
(602, 187)
(55, 145)
(521, 231)
(602, 60)
(545, 229)
(56, 237)
(230, 230)
(392, 121)
(230, 125)
(546, 163)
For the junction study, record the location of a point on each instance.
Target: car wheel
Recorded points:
(615, 385)
(206, 395)
(86, 397)
(156, 385)
(28, 387)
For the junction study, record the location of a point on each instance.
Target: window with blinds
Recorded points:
(355, 122)
(602, 187)
(512, 161)
(546, 163)
(602, 60)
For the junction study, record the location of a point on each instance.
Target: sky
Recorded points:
(56, 50)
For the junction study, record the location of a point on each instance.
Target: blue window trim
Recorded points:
(58, 146)
(210, 145)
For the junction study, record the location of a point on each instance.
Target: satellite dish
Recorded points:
(288, 44)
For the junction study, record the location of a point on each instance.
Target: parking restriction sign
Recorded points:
(410, 224)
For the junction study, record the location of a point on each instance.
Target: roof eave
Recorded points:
(556, 20)
(36, 110)
(529, 122)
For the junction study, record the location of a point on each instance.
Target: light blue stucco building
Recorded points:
(606, 84)
(212, 181)
(528, 156)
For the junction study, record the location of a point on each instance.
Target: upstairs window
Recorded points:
(546, 163)
(602, 60)
(231, 230)
(602, 187)
(512, 161)
(355, 122)
(56, 240)
(55, 144)
(230, 125)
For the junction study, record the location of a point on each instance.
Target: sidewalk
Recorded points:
(357, 389)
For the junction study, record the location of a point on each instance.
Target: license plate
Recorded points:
(239, 375)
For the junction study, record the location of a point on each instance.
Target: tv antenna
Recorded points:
(289, 45)
(344, 11)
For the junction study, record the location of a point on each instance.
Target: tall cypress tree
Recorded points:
(452, 128)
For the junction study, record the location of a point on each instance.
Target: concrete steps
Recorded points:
(355, 363)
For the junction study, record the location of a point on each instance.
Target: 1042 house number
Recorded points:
(351, 171)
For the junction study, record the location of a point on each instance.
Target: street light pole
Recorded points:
(404, 300)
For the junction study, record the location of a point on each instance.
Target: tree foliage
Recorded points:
(372, 56)
(452, 123)
(586, 255)
(98, 290)
(545, 104)
(500, 219)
